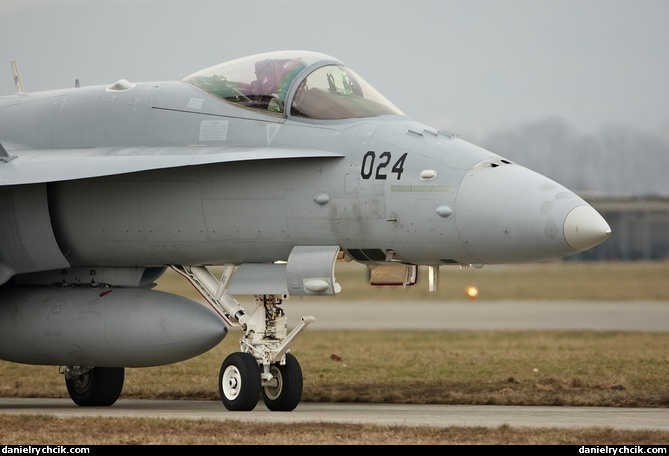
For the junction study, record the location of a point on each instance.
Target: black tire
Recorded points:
(100, 386)
(285, 396)
(239, 382)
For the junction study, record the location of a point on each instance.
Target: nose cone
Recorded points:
(584, 228)
(506, 213)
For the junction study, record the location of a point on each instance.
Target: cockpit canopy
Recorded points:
(315, 86)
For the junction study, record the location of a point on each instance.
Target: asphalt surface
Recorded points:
(380, 414)
(334, 314)
(476, 315)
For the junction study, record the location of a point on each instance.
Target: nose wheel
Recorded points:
(240, 384)
(286, 390)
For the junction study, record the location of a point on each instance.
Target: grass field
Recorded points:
(558, 280)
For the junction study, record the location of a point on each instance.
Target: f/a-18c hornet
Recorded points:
(253, 177)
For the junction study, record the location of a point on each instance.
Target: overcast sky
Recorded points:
(470, 66)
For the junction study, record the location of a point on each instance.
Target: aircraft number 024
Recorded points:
(379, 170)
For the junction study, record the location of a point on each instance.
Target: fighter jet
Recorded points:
(256, 178)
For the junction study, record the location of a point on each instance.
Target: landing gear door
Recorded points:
(310, 271)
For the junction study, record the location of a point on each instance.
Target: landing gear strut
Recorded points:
(264, 367)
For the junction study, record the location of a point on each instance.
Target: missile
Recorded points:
(109, 327)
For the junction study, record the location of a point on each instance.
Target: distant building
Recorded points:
(639, 229)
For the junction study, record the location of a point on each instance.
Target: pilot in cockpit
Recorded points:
(289, 70)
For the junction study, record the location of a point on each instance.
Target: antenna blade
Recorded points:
(17, 77)
(4, 156)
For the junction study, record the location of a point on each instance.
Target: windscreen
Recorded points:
(337, 92)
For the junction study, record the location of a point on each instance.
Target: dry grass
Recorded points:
(614, 369)
(44, 430)
(556, 280)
